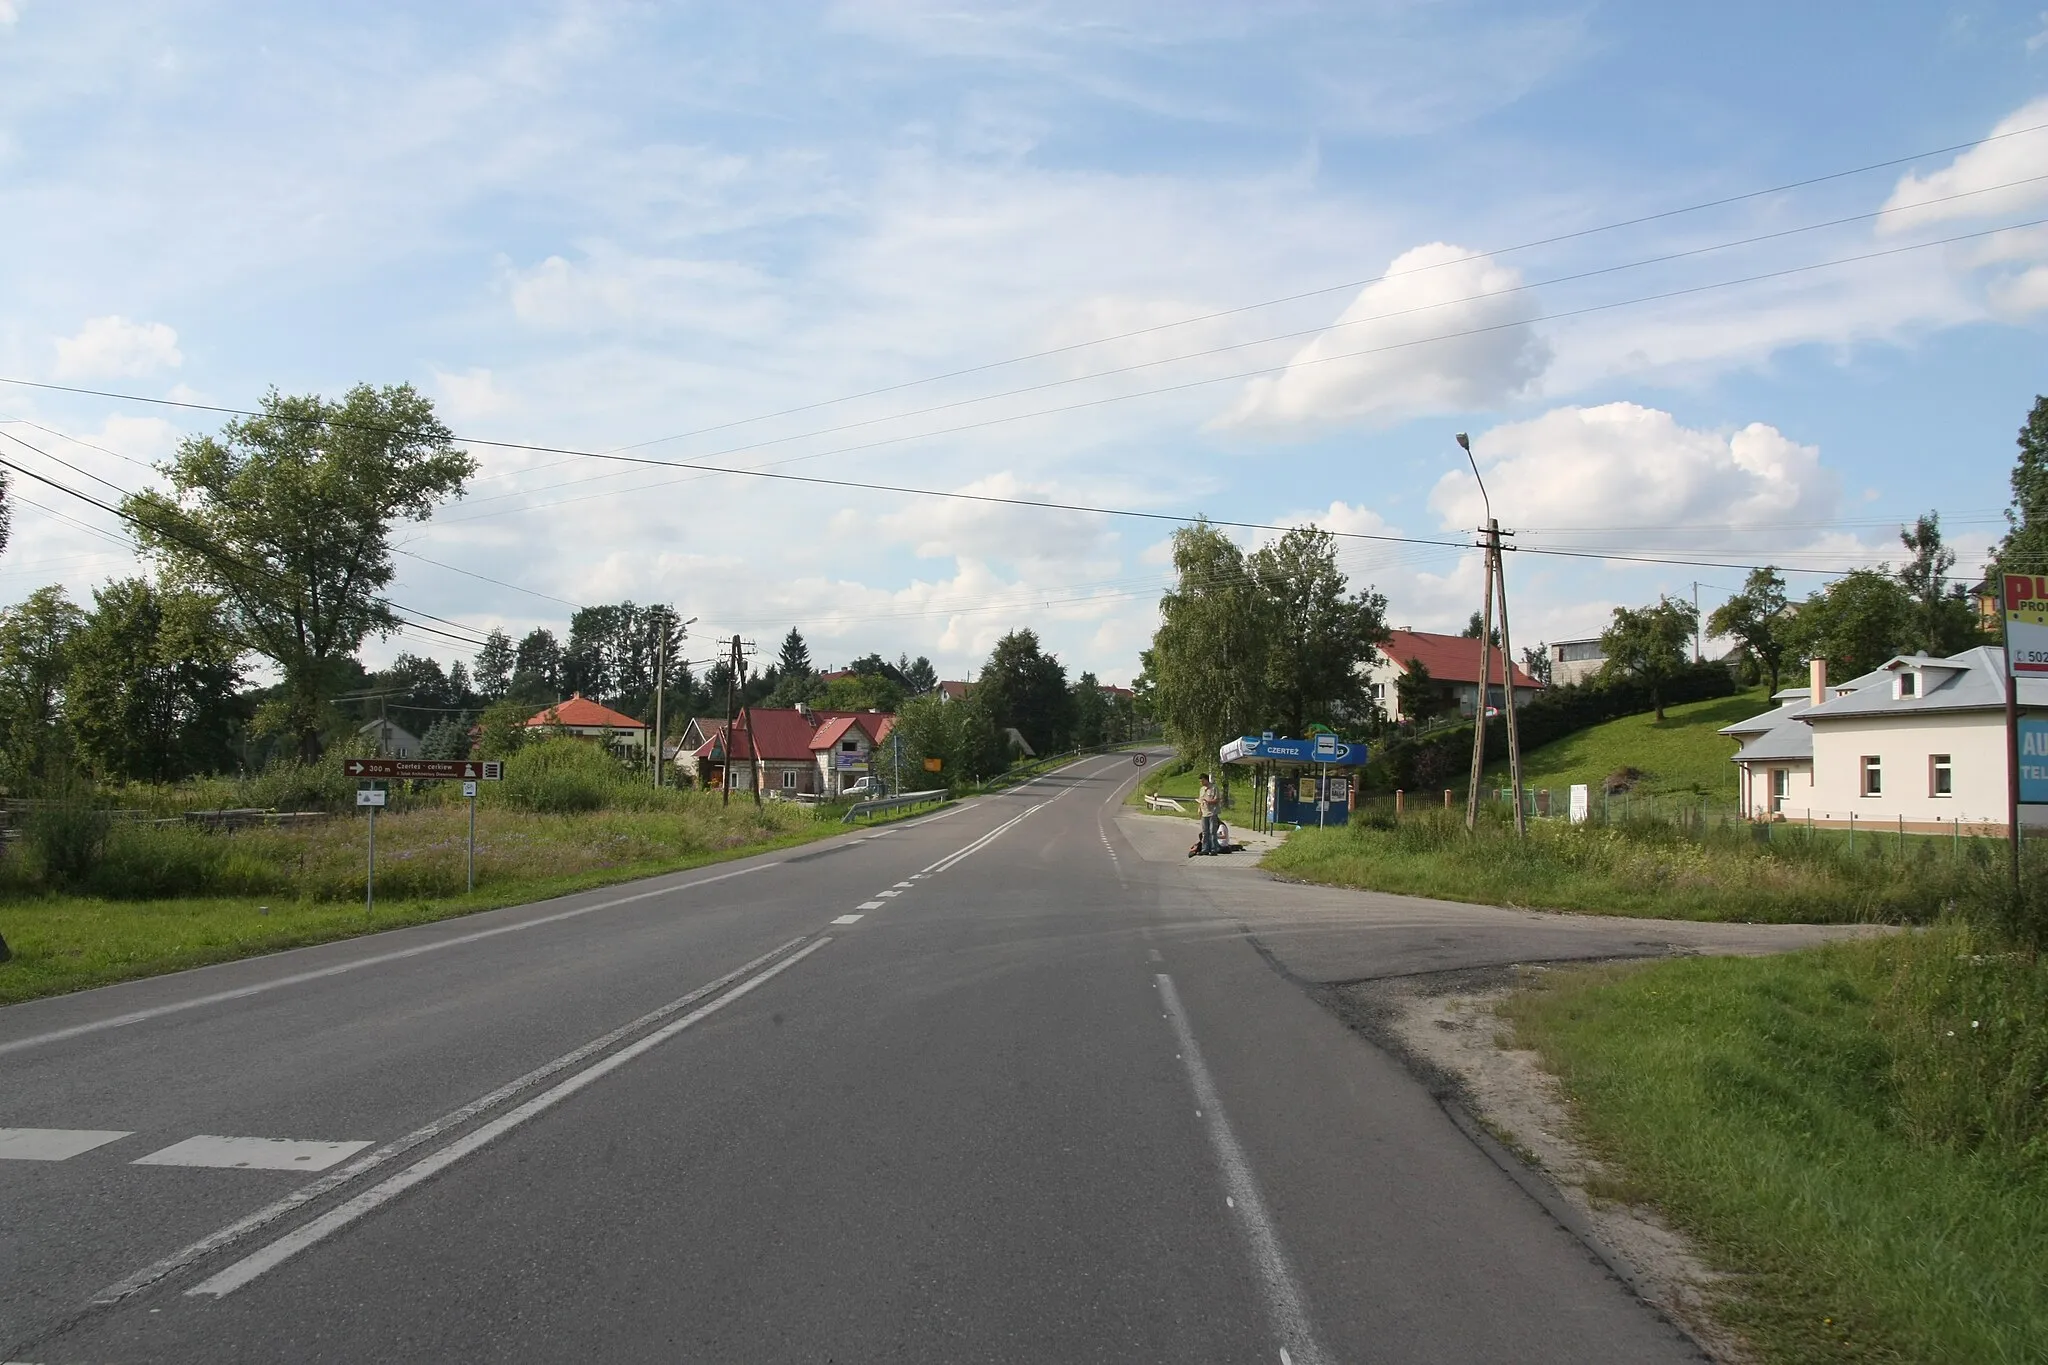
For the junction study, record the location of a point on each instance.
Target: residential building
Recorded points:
(1918, 744)
(1574, 661)
(844, 746)
(951, 690)
(582, 718)
(1453, 665)
(790, 751)
(392, 740)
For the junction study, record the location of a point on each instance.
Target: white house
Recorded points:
(1918, 744)
(392, 740)
(1452, 662)
(1574, 661)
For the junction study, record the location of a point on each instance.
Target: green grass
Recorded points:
(1868, 1169)
(1648, 868)
(311, 881)
(1680, 753)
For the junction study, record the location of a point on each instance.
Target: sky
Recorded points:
(1256, 262)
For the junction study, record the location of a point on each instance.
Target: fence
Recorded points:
(906, 801)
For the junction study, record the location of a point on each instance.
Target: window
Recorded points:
(1781, 787)
(848, 746)
(1909, 684)
(1940, 775)
(789, 779)
(1873, 775)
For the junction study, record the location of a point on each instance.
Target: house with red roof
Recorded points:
(791, 751)
(1453, 665)
(582, 718)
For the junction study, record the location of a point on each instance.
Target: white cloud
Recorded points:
(1621, 475)
(2021, 294)
(112, 347)
(2013, 156)
(2039, 39)
(1381, 360)
(10, 11)
(469, 396)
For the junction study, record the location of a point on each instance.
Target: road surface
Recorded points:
(1015, 1082)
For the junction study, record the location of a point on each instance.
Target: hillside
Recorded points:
(1681, 753)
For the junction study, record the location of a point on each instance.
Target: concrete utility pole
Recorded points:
(1496, 584)
(732, 693)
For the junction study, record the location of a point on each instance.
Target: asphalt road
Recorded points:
(1045, 1099)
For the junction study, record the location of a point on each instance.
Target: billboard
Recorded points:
(2033, 761)
(2026, 624)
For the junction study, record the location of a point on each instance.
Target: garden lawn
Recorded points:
(263, 890)
(1853, 1135)
(1681, 753)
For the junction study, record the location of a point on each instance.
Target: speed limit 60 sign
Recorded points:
(1137, 760)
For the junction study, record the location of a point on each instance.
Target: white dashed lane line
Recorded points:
(252, 1153)
(54, 1144)
(871, 905)
(849, 919)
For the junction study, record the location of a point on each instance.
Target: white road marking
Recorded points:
(870, 905)
(334, 1180)
(1285, 1304)
(300, 978)
(888, 893)
(292, 1243)
(54, 1144)
(903, 883)
(961, 854)
(252, 1153)
(849, 919)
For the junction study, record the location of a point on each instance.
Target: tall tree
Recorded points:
(1650, 645)
(961, 735)
(537, 668)
(35, 664)
(1477, 624)
(151, 696)
(1943, 621)
(794, 661)
(1856, 623)
(1536, 662)
(919, 677)
(2025, 547)
(1318, 638)
(1420, 697)
(494, 665)
(1026, 688)
(1755, 619)
(286, 518)
(1207, 665)
(1091, 712)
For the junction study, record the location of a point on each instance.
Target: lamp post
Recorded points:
(1496, 587)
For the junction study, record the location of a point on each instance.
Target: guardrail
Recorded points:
(1154, 801)
(907, 799)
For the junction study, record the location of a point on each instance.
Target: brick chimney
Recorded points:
(1818, 672)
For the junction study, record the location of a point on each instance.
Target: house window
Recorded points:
(848, 746)
(1909, 684)
(1781, 787)
(1873, 775)
(789, 779)
(1940, 775)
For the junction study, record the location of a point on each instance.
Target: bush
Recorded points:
(145, 862)
(563, 776)
(65, 839)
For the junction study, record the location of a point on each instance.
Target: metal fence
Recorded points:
(907, 800)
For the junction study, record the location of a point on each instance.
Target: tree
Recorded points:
(1091, 712)
(1649, 645)
(861, 692)
(286, 518)
(919, 677)
(537, 668)
(1856, 623)
(1942, 620)
(875, 666)
(1536, 662)
(1026, 689)
(151, 693)
(1755, 619)
(2025, 547)
(961, 735)
(503, 729)
(1418, 696)
(494, 665)
(1206, 670)
(1476, 625)
(35, 664)
(1317, 638)
(794, 661)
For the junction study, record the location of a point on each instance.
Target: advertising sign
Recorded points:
(2033, 761)
(2026, 625)
(1321, 749)
(1582, 805)
(854, 761)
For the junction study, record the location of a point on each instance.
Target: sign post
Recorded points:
(372, 795)
(469, 794)
(372, 792)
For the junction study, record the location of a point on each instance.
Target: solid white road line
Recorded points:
(300, 978)
(252, 1153)
(849, 919)
(291, 1244)
(1285, 1305)
(54, 1144)
(334, 1180)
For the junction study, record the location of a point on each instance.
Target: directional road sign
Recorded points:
(465, 769)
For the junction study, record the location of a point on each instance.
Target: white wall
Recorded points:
(1974, 741)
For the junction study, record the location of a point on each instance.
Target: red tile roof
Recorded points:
(834, 729)
(953, 691)
(581, 710)
(1449, 658)
(788, 735)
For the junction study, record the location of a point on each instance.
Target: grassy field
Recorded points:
(1856, 1135)
(1647, 868)
(1680, 753)
(167, 899)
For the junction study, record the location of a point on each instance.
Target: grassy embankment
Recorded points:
(134, 900)
(1857, 1136)
(1680, 754)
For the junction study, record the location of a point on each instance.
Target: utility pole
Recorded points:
(1697, 653)
(660, 686)
(732, 692)
(1496, 585)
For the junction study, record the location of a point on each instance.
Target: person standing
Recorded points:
(1211, 804)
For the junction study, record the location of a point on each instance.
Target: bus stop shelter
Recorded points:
(1302, 781)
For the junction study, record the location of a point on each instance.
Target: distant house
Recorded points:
(392, 740)
(951, 690)
(790, 751)
(1453, 665)
(1574, 661)
(1918, 744)
(583, 718)
(844, 744)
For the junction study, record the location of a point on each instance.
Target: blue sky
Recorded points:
(594, 225)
